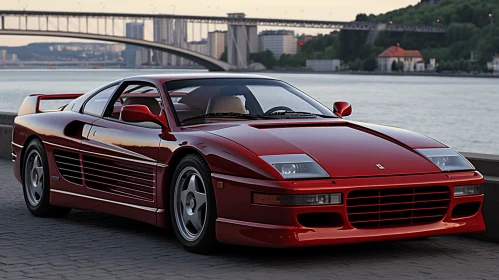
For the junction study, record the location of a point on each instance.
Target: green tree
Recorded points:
(223, 56)
(265, 57)
(400, 66)
(394, 66)
(370, 64)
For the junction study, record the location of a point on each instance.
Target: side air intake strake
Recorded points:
(68, 164)
(117, 177)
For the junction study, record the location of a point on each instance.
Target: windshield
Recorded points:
(216, 100)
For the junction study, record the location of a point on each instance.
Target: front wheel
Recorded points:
(192, 205)
(36, 182)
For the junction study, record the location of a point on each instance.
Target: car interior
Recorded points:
(191, 102)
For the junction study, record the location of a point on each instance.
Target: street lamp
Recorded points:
(438, 20)
(391, 22)
(491, 19)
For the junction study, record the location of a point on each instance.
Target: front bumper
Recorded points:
(243, 222)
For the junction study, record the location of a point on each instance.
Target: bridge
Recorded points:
(208, 62)
(122, 28)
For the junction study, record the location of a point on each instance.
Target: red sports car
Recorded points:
(239, 159)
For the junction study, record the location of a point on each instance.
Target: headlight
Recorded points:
(447, 159)
(296, 166)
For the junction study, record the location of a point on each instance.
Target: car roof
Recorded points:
(189, 76)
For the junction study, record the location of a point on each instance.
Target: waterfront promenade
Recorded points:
(87, 245)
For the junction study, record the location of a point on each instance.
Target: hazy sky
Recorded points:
(341, 10)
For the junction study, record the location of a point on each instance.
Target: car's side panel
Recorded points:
(222, 156)
(119, 162)
(80, 201)
(60, 132)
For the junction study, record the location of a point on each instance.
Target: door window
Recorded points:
(95, 106)
(136, 93)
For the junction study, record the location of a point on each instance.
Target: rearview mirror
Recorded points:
(141, 113)
(342, 109)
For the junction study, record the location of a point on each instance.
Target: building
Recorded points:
(180, 40)
(242, 40)
(278, 42)
(163, 32)
(217, 40)
(199, 47)
(324, 65)
(3, 54)
(302, 39)
(408, 60)
(494, 64)
(171, 32)
(135, 56)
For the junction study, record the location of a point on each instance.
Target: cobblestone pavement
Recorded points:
(87, 245)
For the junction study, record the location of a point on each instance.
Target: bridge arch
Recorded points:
(212, 64)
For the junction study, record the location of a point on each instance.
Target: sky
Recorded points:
(337, 10)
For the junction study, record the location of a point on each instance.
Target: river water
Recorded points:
(460, 112)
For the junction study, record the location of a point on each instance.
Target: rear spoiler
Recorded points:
(31, 104)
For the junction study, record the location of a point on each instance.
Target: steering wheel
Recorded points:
(278, 108)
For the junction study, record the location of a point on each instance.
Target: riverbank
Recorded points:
(366, 73)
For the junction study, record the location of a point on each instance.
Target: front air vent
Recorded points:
(68, 164)
(297, 124)
(119, 177)
(397, 207)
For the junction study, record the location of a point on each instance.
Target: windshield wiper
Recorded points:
(227, 115)
(291, 114)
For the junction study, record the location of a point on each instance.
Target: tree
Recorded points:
(394, 66)
(400, 66)
(370, 64)
(223, 56)
(266, 58)
(361, 17)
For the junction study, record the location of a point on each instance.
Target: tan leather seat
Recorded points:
(226, 104)
(150, 102)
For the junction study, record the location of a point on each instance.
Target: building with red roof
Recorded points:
(408, 60)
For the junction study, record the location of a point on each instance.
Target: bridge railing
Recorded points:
(292, 23)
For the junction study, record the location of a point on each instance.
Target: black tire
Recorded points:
(39, 206)
(206, 241)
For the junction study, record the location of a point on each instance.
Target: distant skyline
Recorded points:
(341, 10)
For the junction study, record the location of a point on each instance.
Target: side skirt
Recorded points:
(74, 200)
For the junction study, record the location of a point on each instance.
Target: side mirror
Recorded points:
(342, 109)
(141, 113)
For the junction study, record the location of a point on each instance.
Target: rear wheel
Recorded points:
(36, 182)
(192, 205)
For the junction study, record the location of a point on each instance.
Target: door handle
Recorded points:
(86, 131)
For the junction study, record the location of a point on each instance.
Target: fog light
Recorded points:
(297, 200)
(468, 190)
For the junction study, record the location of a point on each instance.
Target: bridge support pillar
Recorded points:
(242, 40)
(3, 22)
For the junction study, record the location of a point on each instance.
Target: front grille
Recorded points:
(397, 207)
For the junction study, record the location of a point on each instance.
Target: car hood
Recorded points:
(343, 149)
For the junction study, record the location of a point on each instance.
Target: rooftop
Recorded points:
(397, 51)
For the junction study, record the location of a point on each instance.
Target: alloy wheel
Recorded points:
(190, 203)
(34, 177)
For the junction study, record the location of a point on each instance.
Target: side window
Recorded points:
(95, 106)
(136, 93)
